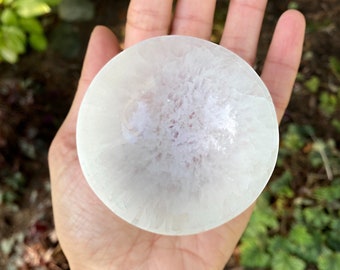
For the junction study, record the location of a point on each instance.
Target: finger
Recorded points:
(234, 229)
(146, 19)
(103, 45)
(283, 58)
(194, 18)
(243, 27)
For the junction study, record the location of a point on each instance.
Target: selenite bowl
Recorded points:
(177, 135)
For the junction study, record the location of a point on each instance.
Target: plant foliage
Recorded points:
(19, 27)
(304, 195)
(297, 228)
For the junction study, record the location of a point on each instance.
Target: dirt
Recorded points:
(34, 99)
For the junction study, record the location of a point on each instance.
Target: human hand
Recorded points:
(92, 237)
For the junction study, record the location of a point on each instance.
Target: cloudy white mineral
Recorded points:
(177, 135)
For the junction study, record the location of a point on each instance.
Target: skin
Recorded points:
(91, 236)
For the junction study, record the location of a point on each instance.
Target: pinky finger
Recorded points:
(283, 58)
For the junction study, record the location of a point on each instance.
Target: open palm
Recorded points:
(91, 236)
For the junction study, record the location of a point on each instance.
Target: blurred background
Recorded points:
(296, 223)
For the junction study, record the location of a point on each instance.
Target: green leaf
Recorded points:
(333, 240)
(8, 17)
(8, 55)
(313, 84)
(334, 65)
(316, 217)
(327, 194)
(15, 181)
(38, 42)
(299, 235)
(281, 186)
(335, 224)
(293, 5)
(303, 244)
(253, 255)
(315, 158)
(336, 124)
(278, 243)
(262, 220)
(283, 261)
(329, 261)
(31, 25)
(52, 2)
(294, 138)
(14, 39)
(6, 2)
(9, 197)
(328, 103)
(31, 8)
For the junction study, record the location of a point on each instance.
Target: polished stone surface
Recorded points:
(177, 135)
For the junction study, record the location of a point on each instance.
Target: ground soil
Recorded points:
(35, 95)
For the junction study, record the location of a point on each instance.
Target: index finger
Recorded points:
(243, 26)
(103, 45)
(146, 19)
(283, 58)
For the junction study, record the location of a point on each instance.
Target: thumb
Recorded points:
(103, 45)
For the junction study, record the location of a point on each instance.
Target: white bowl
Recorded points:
(177, 135)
